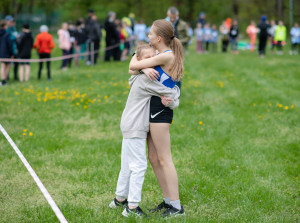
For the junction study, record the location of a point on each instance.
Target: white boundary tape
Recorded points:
(46, 194)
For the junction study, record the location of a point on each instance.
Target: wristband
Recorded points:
(141, 72)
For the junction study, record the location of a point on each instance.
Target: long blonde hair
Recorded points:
(165, 30)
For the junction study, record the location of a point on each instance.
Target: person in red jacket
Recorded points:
(44, 44)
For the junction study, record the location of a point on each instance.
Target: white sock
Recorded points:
(176, 204)
(167, 200)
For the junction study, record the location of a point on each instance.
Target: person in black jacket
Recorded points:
(80, 39)
(263, 28)
(233, 35)
(112, 38)
(25, 44)
(5, 51)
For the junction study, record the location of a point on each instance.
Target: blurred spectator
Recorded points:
(201, 19)
(112, 38)
(83, 45)
(126, 32)
(224, 31)
(280, 37)
(206, 37)
(131, 16)
(214, 38)
(140, 30)
(44, 44)
(199, 37)
(271, 33)
(25, 44)
(94, 36)
(233, 35)
(71, 30)
(252, 32)
(80, 39)
(190, 32)
(64, 41)
(5, 51)
(13, 36)
(263, 34)
(129, 44)
(295, 39)
(180, 27)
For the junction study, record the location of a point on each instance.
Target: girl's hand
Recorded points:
(166, 101)
(151, 73)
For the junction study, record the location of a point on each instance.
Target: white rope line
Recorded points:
(46, 194)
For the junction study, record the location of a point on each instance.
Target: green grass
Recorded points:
(235, 144)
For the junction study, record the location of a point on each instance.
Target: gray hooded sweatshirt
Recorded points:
(135, 117)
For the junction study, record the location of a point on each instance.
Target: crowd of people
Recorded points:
(207, 36)
(82, 39)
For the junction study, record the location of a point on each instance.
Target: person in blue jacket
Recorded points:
(11, 29)
(5, 51)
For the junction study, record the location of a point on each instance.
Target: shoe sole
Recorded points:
(126, 214)
(113, 205)
(176, 215)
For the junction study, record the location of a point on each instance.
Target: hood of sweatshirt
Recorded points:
(132, 79)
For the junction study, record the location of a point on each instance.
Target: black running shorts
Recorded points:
(158, 112)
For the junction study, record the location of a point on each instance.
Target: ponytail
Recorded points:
(177, 66)
(165, 29)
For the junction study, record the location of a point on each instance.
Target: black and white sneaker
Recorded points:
(115, 203)
(161, 206)
(173, 212)
(137, 212)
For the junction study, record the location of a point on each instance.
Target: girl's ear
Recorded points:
(159, 38)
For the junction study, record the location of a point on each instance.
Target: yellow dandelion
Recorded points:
(182, 126)
(30, 134)
(254, 104)
(200, 123)
(77, 103)
(286, 107)
(292, 106)
(24, 134)
(99, 100)
(105, 97)
(280, 105)
(19, 103)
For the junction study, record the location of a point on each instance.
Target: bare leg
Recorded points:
(27, 72)
(21, 72)
(3, 71)
(7, 67)
(153, 158)
(161, 140)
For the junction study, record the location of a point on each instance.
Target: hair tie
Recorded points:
(172, 37)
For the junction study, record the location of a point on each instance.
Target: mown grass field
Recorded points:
(235, 141)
